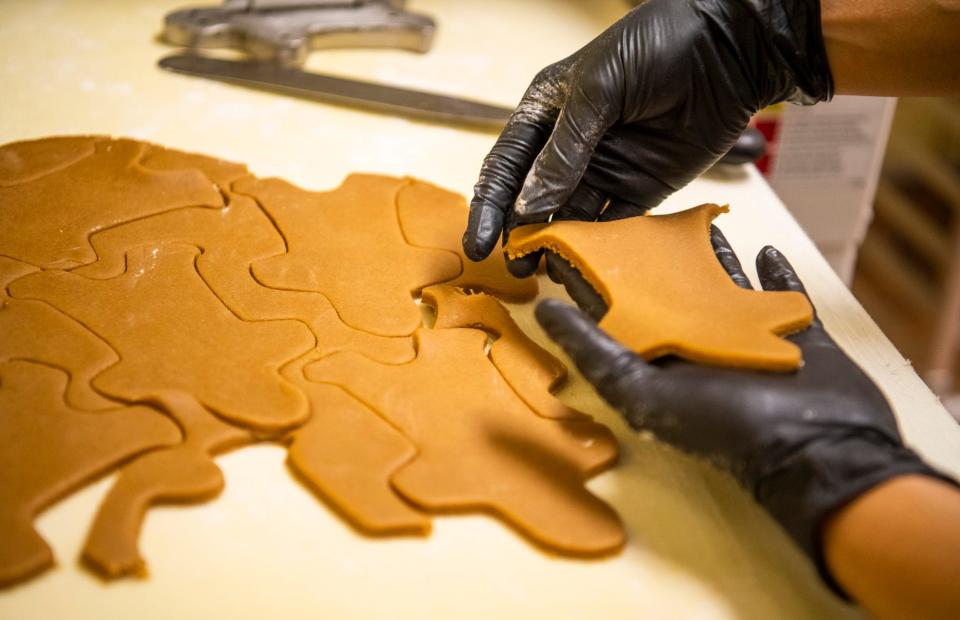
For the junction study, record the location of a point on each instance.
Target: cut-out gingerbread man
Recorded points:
(50, 449)
(480, 447)
(666, 292)
(45, 221)
(173, 333)
(346, 243)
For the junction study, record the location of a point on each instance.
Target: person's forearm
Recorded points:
(893, 47)
(896, 549)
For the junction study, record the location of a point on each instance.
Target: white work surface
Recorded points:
(698, 546)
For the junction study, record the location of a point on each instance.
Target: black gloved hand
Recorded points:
(804, 443)
(643, 109)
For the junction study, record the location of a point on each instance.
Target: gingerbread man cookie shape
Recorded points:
(529, 368)
(346, 454)
(35, 331)
(172, 333)
(667, 293)
(480, 447)
(346, 243)
(432, 217)
(48, 449)
(45, 220)
(231, 239)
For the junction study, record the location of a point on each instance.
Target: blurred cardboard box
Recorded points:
(824, 162)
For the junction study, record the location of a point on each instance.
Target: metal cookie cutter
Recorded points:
(287, 30)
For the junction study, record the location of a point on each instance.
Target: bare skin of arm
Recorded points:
(893, 47)
(896, 548)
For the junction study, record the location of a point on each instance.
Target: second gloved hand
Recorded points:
(803, 443)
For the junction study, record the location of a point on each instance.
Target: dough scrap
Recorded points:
(668, 294)
(173, 333)
(231, 239)
(529, 369)
(179, 474)
(45, 221)
(480, 447)
(346, 243)
(51, 449)
(35, 331)
(432, 217)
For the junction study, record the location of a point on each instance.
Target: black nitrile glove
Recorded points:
(643, 109)
(804, 443)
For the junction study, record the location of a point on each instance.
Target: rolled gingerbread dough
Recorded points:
(479, 446)
(532, 371)
(48, 449)
(182, 298)
(347, 244)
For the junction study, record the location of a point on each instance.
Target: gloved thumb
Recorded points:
(612, 369)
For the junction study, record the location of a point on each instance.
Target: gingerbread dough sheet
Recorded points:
(51, 449)
(182, 315)
(480, 447)
(532, 371)
(221, 172)
(668, 294)
(35, 331)
(432, 217)
(346, 243)
(231, 239)
(173, 333)
(31, 159)
(45, 220)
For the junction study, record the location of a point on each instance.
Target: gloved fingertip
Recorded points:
(728, 258)
(561, 320)
(484, 226)
(524, 266)
(776, 273)
(547, 309)
(554, 267)
(718, 240)
(580, 291)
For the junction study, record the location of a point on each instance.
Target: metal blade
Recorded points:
(287, 80)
